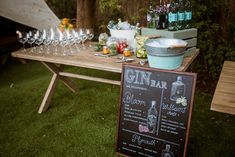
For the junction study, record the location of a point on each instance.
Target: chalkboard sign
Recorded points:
(155, 112)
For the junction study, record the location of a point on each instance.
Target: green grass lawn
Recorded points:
(83, 124)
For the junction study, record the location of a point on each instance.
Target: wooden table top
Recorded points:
(87, 59)
(224, 96)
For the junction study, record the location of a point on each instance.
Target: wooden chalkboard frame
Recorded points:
(193, 76)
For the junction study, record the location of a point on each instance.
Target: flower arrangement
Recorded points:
(65, 23)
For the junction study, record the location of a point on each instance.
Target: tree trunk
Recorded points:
(86, 13)
(134, 10)
(227, 18)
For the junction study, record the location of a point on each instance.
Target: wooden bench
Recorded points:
(224, 96)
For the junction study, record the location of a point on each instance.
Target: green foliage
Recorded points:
(110, 5)
(214, 47)
(110, 10)
(63, 8)
(139, 17)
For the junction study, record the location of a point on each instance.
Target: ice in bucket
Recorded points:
(123, 30)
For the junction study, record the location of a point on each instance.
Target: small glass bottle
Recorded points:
(154, 19)
(152, 118)
(172, 17)
(166, 9)
(127, 52)
(140, 50)
(162, 14)
(105, 50)
(177, 89)
(121, 45)
(112, 45)
(166, 152)
(181, 15)
(103, 37)
(150, 16)
(188, 14)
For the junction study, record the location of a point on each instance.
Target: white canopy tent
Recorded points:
(33, 13)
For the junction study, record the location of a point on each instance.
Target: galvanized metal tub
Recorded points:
(165, 53)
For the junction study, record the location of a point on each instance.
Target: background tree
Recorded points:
(63, 8)
(86, 13)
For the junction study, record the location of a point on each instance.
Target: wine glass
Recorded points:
(55, 40)
(47, 40)
(39, 40)
(71, 40)
(77, 39)
(63, 41)
(30, 40)
(90, 35)
(83, 36)
(68, 40)
(22, 38)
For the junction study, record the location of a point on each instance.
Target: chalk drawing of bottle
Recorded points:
(166, 152)
(152, 117)
(177, 89)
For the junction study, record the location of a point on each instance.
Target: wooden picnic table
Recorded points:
(224, 96)
(84, 58)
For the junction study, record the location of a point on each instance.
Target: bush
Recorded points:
(215, 47)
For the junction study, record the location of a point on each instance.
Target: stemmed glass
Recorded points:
(83, 37)
(22, 38)
(68, 40)
(90, 34)
(55, 40)
(30, 40)
(38, 40)
(63, 40)
(71, 40)
(47, 40)
(77, 39)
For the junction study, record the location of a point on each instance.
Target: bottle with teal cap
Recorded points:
(172, 17)
(181, 15)
(188, 14)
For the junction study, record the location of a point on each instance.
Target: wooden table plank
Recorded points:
(224, 96)
(229, 65)
(87, 59)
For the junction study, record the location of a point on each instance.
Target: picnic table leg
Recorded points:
(55, 69)
(49, 93)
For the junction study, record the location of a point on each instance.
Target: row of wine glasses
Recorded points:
(50, 40)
